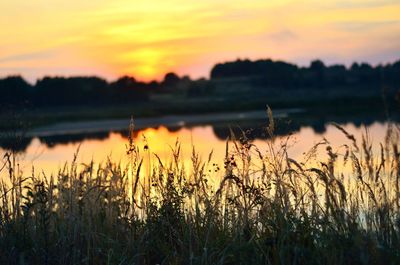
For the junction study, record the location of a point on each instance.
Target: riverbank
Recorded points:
(28, 118)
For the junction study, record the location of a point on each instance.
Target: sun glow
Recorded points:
(147, 39)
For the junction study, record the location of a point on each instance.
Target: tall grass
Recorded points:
(266, 209)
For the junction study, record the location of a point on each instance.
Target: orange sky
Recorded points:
(146, 38)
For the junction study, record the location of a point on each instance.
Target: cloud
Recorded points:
(352, 26)
(28, 56)
(364, 3)
(282, 36)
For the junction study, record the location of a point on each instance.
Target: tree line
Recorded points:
(317, 74)
(59, 91)
(51, 91)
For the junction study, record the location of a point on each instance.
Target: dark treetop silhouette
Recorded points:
(261, 74)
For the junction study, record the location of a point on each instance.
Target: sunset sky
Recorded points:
(146, 38)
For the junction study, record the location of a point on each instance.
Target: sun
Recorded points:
(146, 63)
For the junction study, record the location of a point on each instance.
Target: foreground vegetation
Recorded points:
(260, 207)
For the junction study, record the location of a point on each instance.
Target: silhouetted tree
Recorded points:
(268, 73)
(126, 89)
(170, 80)
(14, 90)
(317, 68)
(70, 91)
(264, 75)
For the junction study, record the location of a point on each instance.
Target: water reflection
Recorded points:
(51, 152)
(222, 130)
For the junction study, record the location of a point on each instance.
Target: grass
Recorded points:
(267, 208)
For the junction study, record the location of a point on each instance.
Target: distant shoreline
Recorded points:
(97, 126)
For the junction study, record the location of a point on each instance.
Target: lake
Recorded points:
(49, 148)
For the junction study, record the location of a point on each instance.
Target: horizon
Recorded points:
(208, 77)
(147, 40)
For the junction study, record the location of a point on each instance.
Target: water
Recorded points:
(50, 149)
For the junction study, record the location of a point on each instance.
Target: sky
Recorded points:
(148, 38)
